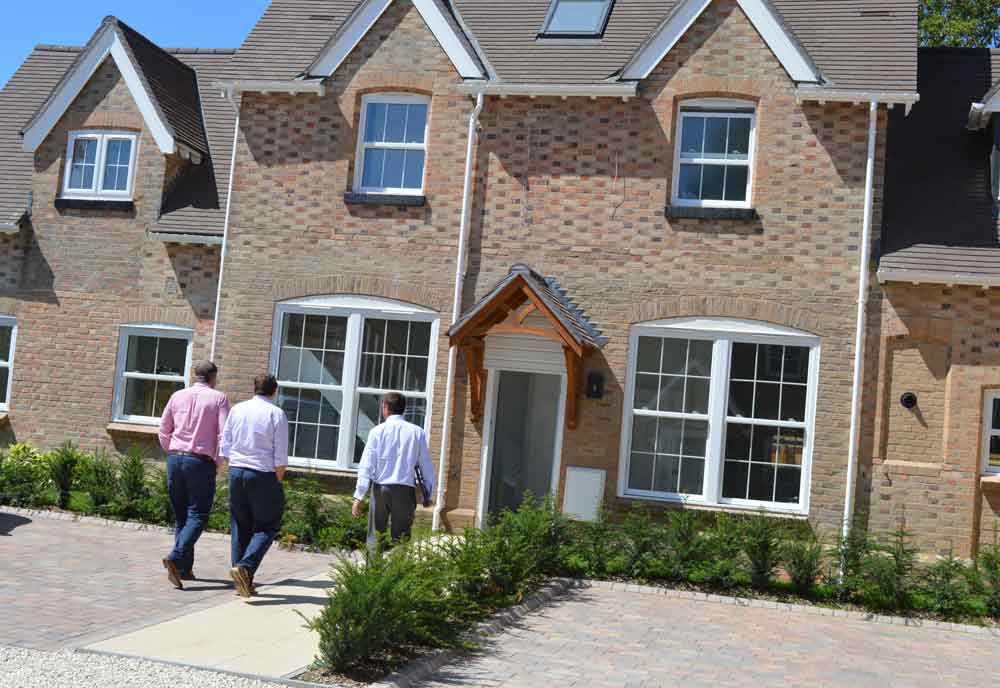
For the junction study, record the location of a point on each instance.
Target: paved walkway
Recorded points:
(67, 585)
(602, 638)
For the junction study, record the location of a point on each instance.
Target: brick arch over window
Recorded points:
(8, 306)
(181, 317)
(363, 285)
(728, 307)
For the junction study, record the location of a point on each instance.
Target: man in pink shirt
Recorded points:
(189, 433)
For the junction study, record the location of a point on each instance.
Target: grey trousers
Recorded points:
(392, 507)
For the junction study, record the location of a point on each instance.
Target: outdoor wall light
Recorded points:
(595, 385)
(908, 400)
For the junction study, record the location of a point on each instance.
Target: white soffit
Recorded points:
(357, 302)
(784, 47)
(108, 43)
(360, 23)
(731, 326)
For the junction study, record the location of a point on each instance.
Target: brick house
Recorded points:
(609, 250)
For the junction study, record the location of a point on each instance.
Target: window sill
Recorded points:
(4, 417)
(384, 199)
(793, 513)
(134, 429)
(990, 481)
(687, 212)
(94, 204)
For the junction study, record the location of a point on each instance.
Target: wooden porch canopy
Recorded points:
(506, 310)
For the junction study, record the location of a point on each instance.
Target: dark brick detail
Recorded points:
(384, 199)
(675, 212)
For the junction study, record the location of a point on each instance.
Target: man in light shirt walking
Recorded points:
(396, 450)
(189, 434)
(255, 440)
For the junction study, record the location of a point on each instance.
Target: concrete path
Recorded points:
(603, 638)
(65, 584)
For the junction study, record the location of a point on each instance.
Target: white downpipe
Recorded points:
(859, 335)
(228, 95)
(456, 309)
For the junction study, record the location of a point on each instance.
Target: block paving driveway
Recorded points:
(66, 584)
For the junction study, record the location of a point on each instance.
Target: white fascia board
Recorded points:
(364, 19)
(271, 86)
(760, 15)
(500, 88)
(963, 279)
(841, 95)
(190, 239)
(108, 44)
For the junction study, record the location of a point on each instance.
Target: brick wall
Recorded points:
(76, 274)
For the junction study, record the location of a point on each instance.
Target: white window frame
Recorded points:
(546, 31)
(95, 192)
(146, 330)
(356, 309)
(11, 322)
(724, 332)
(359, 158)
(717, 108)
(988, 398)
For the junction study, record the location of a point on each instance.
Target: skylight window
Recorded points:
(577, 18)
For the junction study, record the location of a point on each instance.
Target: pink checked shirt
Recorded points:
(193, 420)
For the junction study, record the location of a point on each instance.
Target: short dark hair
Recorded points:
(205, 371)
(265, 385)
(395, 402)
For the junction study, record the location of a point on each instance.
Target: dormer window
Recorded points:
(576, 19)
(100, 165)
(392, 148)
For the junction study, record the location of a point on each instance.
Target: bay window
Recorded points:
(154, 361)
(719, 411)
(713, 163)
(335, 358)
(100, 165)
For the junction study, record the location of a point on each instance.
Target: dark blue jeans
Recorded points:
(256, 505)
(191, 484)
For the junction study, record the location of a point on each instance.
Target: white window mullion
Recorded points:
(102, 151)
(717, 402)
(352, 370)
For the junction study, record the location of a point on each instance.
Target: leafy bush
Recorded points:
(592, 546)
(888, 574)
(989, 570)
(762, 549)
(852, 552)
(98, 476)
(24, 476)
(720, 564)
(132, 487)
(305, 516)
(684, 547)
(62, 470)
(643, 540)
(218, 518)
(803, 560)
(158, 507)
(947, 589)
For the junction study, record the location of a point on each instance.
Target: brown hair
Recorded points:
(265, 385)
(395, 402)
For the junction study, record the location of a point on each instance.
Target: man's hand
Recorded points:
(356, 509)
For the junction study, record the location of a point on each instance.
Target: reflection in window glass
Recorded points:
(714, 152)
(393, 146)
(154, 368)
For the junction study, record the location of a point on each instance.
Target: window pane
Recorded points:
(761, 486)
(311, 369)
(669, 435)
(309, 402)
(667, 474)
(672, 394)
(766, 401)
(326, 449)
(696, 397)
(646, 391)
(790, 448)
(141, 356)
(4, 382)
(164, 390)
(738, 441)
(700, 358)
(692, 476)
(291, 330)
(369, 415)
(413, 171)
(741, 399)
(333, 368)
(375, 122)
(712, 182)
(769, 360)
(393, 371)
(371, 371)
(416, 375)
(692, 137)
(288, 400)
(392, 170)
(734, 479)
(643, 434)
(994, 451)
(172, 356)
(371, 176)
(739, 139)
(640, 472)
(695, 438)
(796, 364)
(336, 334)
(83, 165)
(116, 164)
(787, 485)
(6, 334)
(416, 411)
(674, 356)
(396, 334)
(793, 403)
(331, 404)
(715, 137)
(744, 361)
(305, 441)
(374, 337)
(416, 123)
(689, 184)
(578, 17)
(764, 446)
(139, 397)
(648, 356)
(288, 364)
(315, 332)
(420, 339)
(736, 183)
(395, 123)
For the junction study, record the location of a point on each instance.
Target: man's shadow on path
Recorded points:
(8, 522)
(270, 595)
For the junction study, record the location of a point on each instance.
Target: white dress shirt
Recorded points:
(394, 450)
(256, 436)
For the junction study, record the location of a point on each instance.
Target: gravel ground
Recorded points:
(21, 668)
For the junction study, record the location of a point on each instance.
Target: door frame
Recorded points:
(489, 424)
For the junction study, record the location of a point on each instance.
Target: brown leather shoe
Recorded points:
(173, 574)
(242, 580)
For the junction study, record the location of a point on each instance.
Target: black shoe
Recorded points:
(173, 575)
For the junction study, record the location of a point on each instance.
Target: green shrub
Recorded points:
(643, 540)
(888, 574)
(218, 518)
(158, 508)
(989, 570)
(762, 549)
(683, 545)
(803, 560)
(720, 564)
(24, 476)
(305, 515)
(947, 589)
(852, 552)
(98, 476)
(62, 470)
(132, 488)
(591, 546)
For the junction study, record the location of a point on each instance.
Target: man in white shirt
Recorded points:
(396, 451)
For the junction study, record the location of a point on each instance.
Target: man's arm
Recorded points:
(426, 465)
(368, 458)
(167, 425)
(281, 445)
(223, 456)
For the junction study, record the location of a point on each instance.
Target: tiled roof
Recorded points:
(935, 264)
